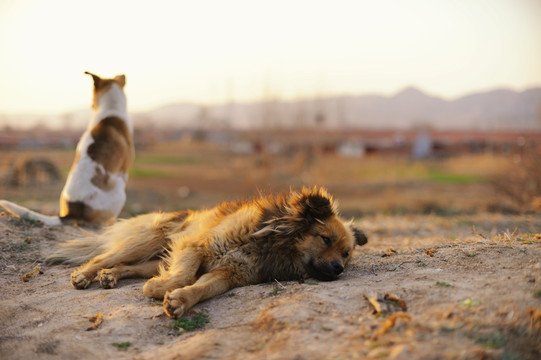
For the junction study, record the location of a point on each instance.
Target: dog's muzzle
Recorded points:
(326, 271)
(337, 267)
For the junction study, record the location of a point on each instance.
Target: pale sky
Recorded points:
(213, 51)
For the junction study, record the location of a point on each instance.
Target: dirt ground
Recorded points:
(470, 287)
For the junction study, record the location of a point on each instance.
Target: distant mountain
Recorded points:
(500, 109)
(493, 110)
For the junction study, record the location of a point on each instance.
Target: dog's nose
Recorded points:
(337, 267)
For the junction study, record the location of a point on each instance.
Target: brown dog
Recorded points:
(195, 255)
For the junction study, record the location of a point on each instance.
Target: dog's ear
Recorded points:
(121, 80)
(316, 204)
(96, 78)
(299, 211)
(360, 237)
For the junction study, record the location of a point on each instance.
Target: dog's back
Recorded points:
(95, 189)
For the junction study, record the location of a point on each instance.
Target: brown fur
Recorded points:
(111, 136)
(79, 212)
(102, 180)
(195, 255)
(102, 85)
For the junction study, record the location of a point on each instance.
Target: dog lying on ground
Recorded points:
(195, 255)
(94, 192)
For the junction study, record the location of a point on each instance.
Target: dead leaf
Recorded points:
(390, 252)
(385, 304)
(390, 322)
(32, 273)
(373, 300)
(396, 300)
(431, 252)
(535, 319)
(97, 319)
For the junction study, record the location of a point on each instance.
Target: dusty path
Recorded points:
(471, 286)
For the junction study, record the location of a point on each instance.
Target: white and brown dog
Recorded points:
(94, 192)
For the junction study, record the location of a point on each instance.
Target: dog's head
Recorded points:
(101, 86)
(326, 241)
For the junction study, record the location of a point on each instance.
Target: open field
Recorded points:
(469, 277)
(192, 175)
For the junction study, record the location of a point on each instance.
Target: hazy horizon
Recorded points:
(276, 97)
(501, 108)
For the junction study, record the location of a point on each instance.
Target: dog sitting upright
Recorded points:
(94, 192)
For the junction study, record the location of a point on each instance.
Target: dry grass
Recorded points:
(516, 237)
(520, 183)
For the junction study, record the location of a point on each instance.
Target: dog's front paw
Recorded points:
(79, 280)
(173, 304)
(107, 279)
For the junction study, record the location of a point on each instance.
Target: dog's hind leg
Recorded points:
(182, 271)
(132, 241)
(209, 285)
(83, 276)
(109, 277)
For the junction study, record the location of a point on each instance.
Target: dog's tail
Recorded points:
(77, 251)
(23, 212)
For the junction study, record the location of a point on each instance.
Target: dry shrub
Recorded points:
(520, 183)
(28, 171)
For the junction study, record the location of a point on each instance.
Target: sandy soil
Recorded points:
(471, 286)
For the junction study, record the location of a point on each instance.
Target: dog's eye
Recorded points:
(345, 254)
(326, 240)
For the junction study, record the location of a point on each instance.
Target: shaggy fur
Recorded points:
(195, 255)
(94, 192)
